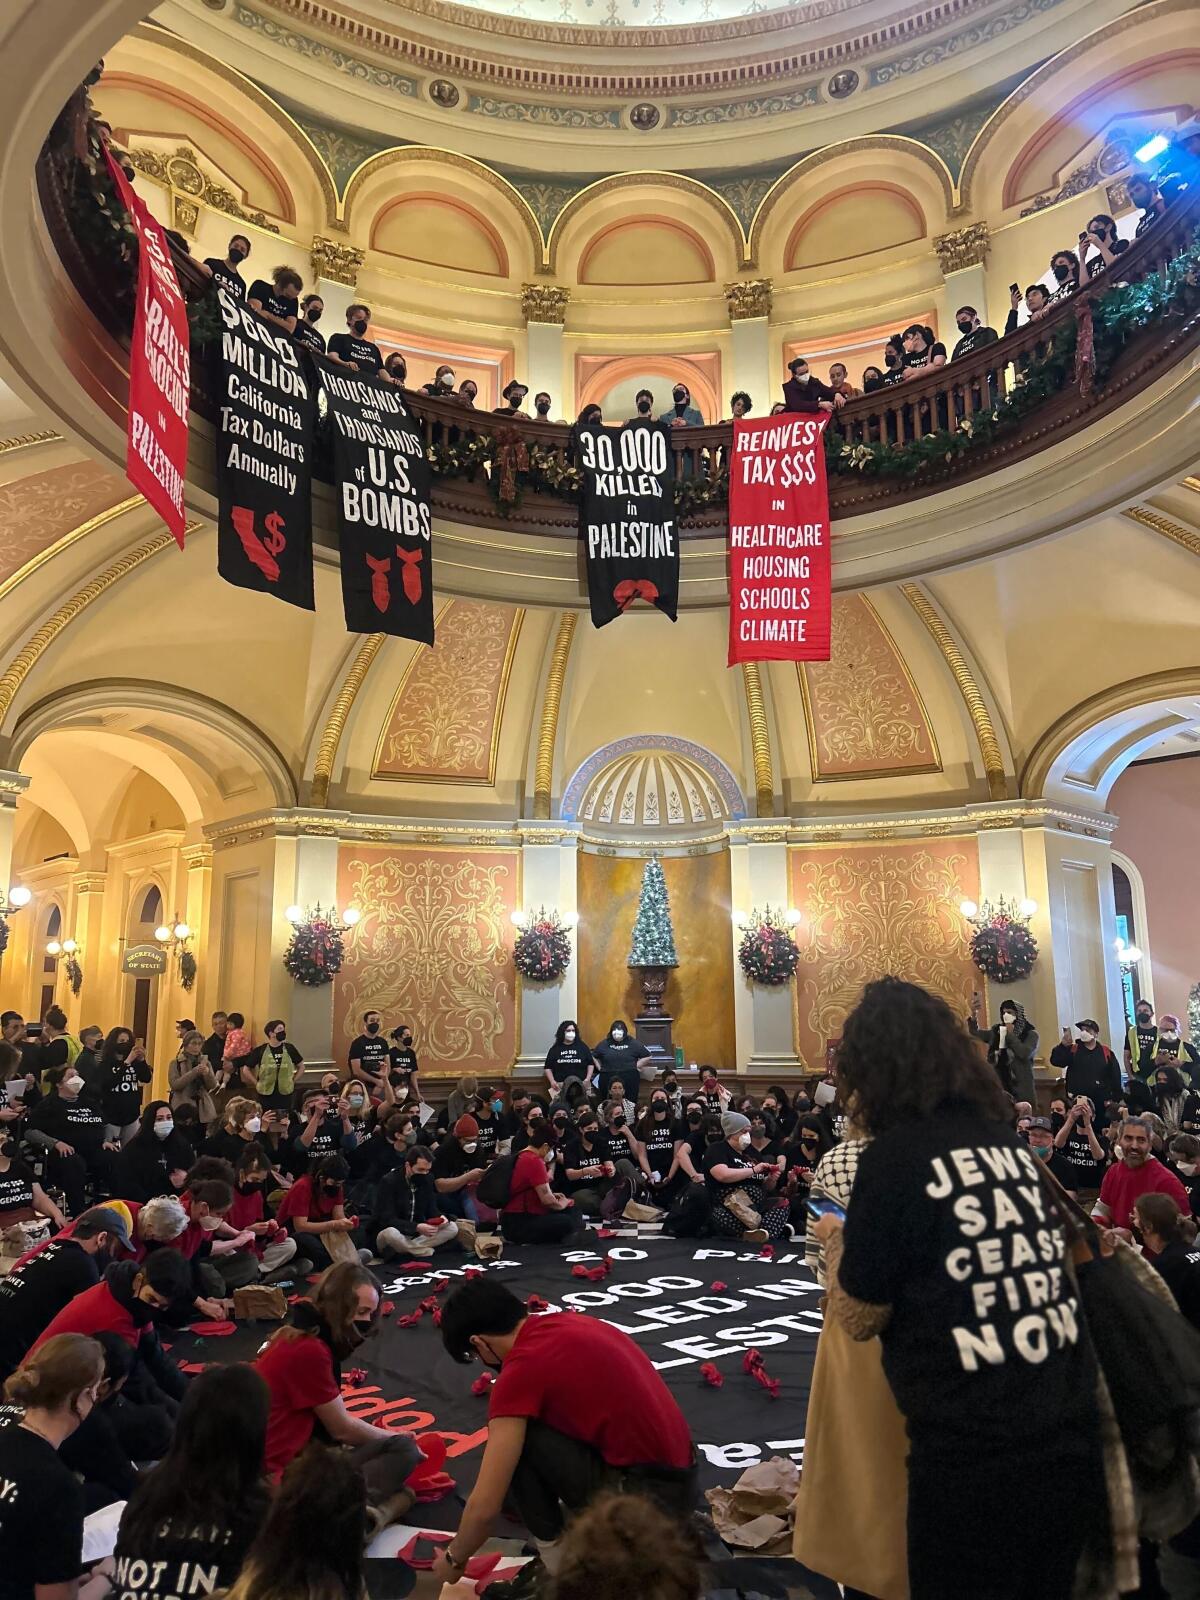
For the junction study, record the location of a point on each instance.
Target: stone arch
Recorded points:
(675, 199)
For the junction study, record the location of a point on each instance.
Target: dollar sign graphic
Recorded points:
(274, 540)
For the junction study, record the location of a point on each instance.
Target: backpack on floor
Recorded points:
(495, 1187)
(688, 1217)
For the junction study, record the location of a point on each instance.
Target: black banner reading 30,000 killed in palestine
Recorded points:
(382, 488)
(627, 519)
(264, 459)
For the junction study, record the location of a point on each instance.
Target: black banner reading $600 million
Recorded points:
(627, 519)
(382, 488)
(264, 459)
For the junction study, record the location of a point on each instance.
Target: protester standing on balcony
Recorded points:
(396, 368)
(1144, 194)
(974, 334)
(1102, 237)
(1064, 264)
(683, 414)
(225, 272)
(353, 348)
(541, 406)
(276, 301)
(468, 389)
(1037, 299)
(805, 393)
(839, 382)
(311, 310)
(513, 394)
(442, 387)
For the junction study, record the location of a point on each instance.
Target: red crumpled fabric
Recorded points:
(386, 1307)
(534, 1302)
(213, 1330)
(294, 1299)
(194, 1366)
(711, 1376)
(767, 1253)
(411, 1320)
(606, 1233)
(718, 1286)
(412, 1266)
(434, 1488)
(752, 1363)
(433, 1451)
(593, 1274)
(483, 1383)
(355, 1376)
(472, 1272)
(440, 1285)
(477, 1567)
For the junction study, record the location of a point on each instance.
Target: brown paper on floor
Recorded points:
(259, 1301)
(756, 1513)
(340, 1247)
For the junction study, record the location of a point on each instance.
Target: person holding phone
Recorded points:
(742, 1190)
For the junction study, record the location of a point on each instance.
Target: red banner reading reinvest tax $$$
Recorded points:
(779, 568)
(159, 369)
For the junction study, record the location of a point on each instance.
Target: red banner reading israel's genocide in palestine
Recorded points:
(779, 568)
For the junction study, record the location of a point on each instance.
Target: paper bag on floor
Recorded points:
(756, 1513)
(340, 1247)
(259, 1301)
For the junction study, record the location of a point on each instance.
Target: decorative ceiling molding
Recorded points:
(653, 180)
(636, 751)
(335, 723)
(1188, 538)
(92, 525)
(543, 772)
(760, 740)
(981, 717)
(22, 441)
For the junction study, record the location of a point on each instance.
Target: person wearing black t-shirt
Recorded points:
(658, 1139)
(921, 352)
(740, 1187)
(276, 301)
(568, 1057)
(1091, 1069)
(617, 1056)
(311, 309)
(974, 334)
(619, 1137)
(353, 348)
(1102, 237)
(402, 1065)
(589, 1174)
(72, 1134)
(1080, 1147)
(1041, 1141)
(192, 1518)
(950, 1254)
(37, 1289)
(369, 1061)
(12, 1025)
(122, 1072)
(326, 1129)
(41, 1503)
(226, 272)
(396, 368)
(22, 1197)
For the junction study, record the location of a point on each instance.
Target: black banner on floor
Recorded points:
(265, 431)
(627, 518)
(381, 480)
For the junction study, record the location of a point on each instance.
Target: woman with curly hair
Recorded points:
(952, 1256)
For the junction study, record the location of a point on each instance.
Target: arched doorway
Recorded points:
(52, 929)
(145, 914)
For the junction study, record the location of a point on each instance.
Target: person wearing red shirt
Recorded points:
(1136, 1174)
(577, 1409)
(315, 1206)
(301, 1367)
(533, 1213)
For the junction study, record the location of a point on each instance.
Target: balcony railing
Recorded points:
(949, 396)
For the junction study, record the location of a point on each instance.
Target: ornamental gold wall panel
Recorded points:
(869, 910)
(41, 507)
(865, 718)
(700, 990)
(433, 949)
(444, 721)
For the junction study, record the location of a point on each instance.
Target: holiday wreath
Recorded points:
(1004, 949)
(768, 954)
(542, 951)
(314, 954)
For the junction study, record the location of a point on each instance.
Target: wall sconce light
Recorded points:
(176, 936)
(297, 914)
(1012, 910)
(67, 951)
(769, 917)
(1128, 955)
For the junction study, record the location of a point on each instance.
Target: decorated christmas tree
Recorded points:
(653, 939)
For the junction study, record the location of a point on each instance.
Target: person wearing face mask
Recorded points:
(22, 1198)
(403, 1072)
(1011, 1045)
(588, 1172)
(973, 332)
(541, 406)
(241, 1126)
(407, 1219)
(41, 1545)
(617, 1056)
(369, 1061)
(396, 368)
(327, 1127)
(312, 309)
(513, 394)
(207, 1237)
(1183, 1157)
(488, 1124)
(468, 391)
(1175, 1103)
(1173, 1050)
(302, 1368)
(442, 387)
(43, 1282)
(805, 393)
(1040, 1138)
(392, 1138)
(457, 1170)
(227, 272)
(1103, 239)
(191, 1079)
(1091, 1068)
(643, 402)
(71, 1132)
(658, 1143)
(314, 1210)
(683, 414)
(738, 1187)
(156, 1159)
(122, 1071)
(271, 1069)
(555, 1443)
(568, 1057)
(533, 1213)
(271, 1247)
(1080, 1146)
(591, 416)
(353, 348)
(1064, 264)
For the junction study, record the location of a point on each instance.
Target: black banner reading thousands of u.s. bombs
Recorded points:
(264, 458)
(382, 487)
(627, 518)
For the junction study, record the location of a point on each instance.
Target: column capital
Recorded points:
(334, 261)
(12, 786)
(967, 247)
(748, 297)
(544, 302)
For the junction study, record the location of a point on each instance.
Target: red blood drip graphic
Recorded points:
(260, 552)
(381, 592)
(410, 561)
(631, 589)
